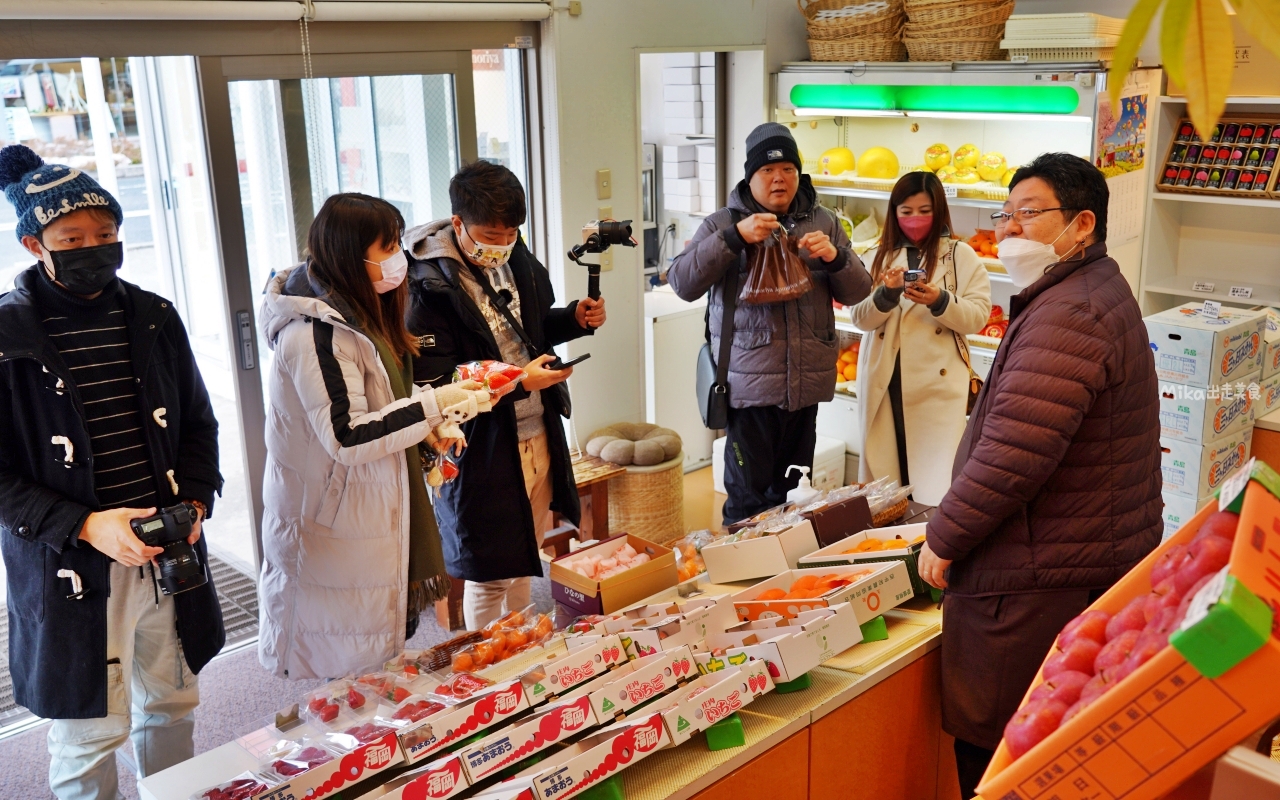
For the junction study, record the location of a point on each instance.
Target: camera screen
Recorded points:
(153, 525)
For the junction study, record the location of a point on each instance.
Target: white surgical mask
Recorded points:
(393, 271)
(1027, 260)
(488, 255)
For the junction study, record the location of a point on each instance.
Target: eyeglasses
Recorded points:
(1022, 215)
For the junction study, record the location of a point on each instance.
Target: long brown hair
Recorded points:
(892, 239)
(343, 230)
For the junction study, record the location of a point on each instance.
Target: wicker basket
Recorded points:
(957, 12)
(893, 512)
(878, 19)
(649, 501)
(981, 33)
(953, 50)
(868, 49)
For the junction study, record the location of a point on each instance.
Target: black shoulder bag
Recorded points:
(502, 303)
(713, 372)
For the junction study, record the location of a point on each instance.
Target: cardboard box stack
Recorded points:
(684, 117)
(707, 176)
(1210, 369)
(680, 177)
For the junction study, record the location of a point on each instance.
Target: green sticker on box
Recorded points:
(608, 789)
(1225, 624)
(1231, 495)
(799, 684)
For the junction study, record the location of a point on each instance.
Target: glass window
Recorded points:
(498, 79)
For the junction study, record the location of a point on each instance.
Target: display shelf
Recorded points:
(873, 194)
(1180, 286)
(1231, 101)
(847, 327)
(1178, 197)
(983, 342)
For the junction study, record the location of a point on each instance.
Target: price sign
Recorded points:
(1242, 292)
(1202, 286)
(1212, 309)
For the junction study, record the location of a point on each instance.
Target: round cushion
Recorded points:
(639, 443)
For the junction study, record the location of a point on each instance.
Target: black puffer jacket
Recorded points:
(1057, 480)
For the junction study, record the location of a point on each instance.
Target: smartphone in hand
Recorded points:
(913, 275)
(558, 364)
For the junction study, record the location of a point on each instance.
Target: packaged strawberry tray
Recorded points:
(499, 378)
(289, 759)
(241, 787)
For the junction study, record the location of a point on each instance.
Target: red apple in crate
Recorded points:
(1032, 724)
(1132, 617)
(1204, 557)
(1115, 652)
(1168, 563)
(1185, 605)
(1222, 524)
(1080, 705)
(1164, 622)
(1078, 657)
(1064, 687)
(1089, 625)
(1165, 595)
(1149, 643)
(1097, 686)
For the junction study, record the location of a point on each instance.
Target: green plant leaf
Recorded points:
(1210, 58)
(1173, 37)
(1262, 19)
(1135, 30)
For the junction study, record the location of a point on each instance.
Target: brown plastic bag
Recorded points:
(777, 273)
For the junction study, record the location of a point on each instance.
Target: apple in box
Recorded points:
(513, 744)
(592, 759)
(871, 589)
(648, 678)
(494, 706)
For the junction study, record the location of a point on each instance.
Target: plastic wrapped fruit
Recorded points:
(368, 732)
(498, 377)
(302, 759)
(459, 687)
(338, 698)
(415, 710)
(241, 787)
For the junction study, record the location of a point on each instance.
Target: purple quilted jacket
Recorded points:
(1056, 483)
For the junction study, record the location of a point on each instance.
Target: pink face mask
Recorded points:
(916, 227)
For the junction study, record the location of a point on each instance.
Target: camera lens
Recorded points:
(179, 568)
(612, 232)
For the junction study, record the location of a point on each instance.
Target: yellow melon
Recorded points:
(1007, 178)
(966, 155)
(878, 162)
(991, 167)
(947, 174)
(836, 161)
(937, 156)
(967, 175)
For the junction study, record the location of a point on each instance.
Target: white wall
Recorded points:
(590, 82)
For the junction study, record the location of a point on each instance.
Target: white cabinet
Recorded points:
(673, 334)
(839, 420)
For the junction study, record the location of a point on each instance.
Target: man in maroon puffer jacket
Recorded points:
(1056, 485)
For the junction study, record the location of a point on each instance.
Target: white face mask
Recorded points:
(1026, 260)
(393, 271)
(488, 255)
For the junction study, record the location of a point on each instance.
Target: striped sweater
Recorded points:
(93, 341)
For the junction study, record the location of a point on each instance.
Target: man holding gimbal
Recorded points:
(103, 420)
(783, 359)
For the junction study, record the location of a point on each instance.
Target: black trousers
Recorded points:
(971, 762)
(760, 444)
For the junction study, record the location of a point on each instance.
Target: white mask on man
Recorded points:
(1026, 261)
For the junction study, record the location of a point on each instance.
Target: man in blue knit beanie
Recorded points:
(103, 419)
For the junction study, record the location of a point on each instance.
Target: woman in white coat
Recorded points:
(347, 527)
(913, 383)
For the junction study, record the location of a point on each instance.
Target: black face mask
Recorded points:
(87, 270)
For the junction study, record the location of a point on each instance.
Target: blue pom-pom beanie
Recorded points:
(42, 192)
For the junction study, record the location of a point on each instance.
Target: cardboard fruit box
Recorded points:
(647, 678)
(496, 706)
(513, 744)
(876, 588)
(591, 760)
(588, 596)
(713, 697)
(436, 781)
(750, 559)
(1166, 720)
(331, 777)
(585, 660)
(788, 647)
(836, 555)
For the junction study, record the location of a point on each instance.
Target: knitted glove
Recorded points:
(459, 402)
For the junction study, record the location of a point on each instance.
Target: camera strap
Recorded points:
(502, 304)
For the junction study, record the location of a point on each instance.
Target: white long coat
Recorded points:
(335, 524)
(935, 382)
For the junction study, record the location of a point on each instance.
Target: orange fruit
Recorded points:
(772, 594)
(462, 662)
(805, 582)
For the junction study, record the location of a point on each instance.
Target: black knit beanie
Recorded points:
(769, 143)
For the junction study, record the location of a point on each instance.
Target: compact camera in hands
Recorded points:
(180, 568)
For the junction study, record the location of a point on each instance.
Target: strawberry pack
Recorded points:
(339, 703)
(490, 708)
(498, 378)
(245, 786)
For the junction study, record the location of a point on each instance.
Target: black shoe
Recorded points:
(411, 626)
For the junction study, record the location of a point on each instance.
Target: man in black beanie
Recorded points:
(783, 358)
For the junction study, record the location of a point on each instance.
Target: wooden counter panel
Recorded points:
(884, 744)
(782, 773)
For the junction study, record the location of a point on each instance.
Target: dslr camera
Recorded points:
(180, 568)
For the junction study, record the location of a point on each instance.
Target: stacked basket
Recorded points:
(955, 30)
(846, 30)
